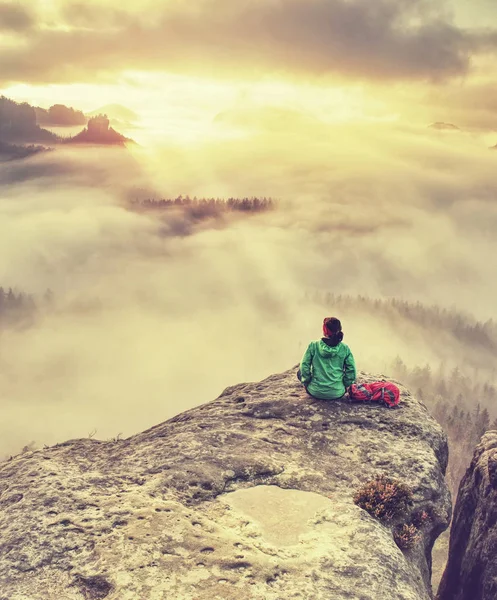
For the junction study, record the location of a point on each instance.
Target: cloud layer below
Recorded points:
(156, 315)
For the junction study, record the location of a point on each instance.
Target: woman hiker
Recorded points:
(328, 367)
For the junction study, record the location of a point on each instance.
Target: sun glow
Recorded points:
(186, 110)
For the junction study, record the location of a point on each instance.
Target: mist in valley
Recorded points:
(153, 313)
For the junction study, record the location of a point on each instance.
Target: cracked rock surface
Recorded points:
(247, 497)
(471, 572)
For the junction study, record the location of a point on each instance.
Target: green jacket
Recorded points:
(326, 371)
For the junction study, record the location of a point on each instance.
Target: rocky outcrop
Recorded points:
(98, 131)
(471, 572)
(247, 497)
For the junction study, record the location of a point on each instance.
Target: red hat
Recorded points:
(331, 326)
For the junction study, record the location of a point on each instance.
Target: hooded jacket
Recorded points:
(326, 371)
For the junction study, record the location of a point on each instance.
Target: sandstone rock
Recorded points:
(471, 572)
(247, 497)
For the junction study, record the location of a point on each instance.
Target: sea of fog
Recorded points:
(153, 314)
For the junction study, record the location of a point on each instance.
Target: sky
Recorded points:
(179, 64)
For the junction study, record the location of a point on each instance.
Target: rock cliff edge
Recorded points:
(247, 497)
(471, 572)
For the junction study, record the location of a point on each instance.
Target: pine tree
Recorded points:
(484, 422)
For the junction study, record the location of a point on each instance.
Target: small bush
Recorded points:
(406, 536)
(420, 518)
(384, 498)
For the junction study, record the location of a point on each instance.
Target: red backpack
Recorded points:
(380, 391)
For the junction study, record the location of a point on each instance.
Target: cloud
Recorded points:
(14, 18)
(472, 105)
(359, 39)
(76, 168)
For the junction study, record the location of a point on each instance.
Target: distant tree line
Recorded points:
(465, 407)
(463, 327)
(463, 398)
(18, 308)
(206, 207)
(15, 308)
(15, 152)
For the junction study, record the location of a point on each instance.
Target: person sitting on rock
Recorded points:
(328, 367)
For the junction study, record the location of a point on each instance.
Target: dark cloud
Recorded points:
(405, 39)
(14, 17)
(86, 15)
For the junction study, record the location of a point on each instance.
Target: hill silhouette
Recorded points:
(60, 115)
(98, 131)
(18, 124)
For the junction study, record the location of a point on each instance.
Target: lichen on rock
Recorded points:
(247, 497)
